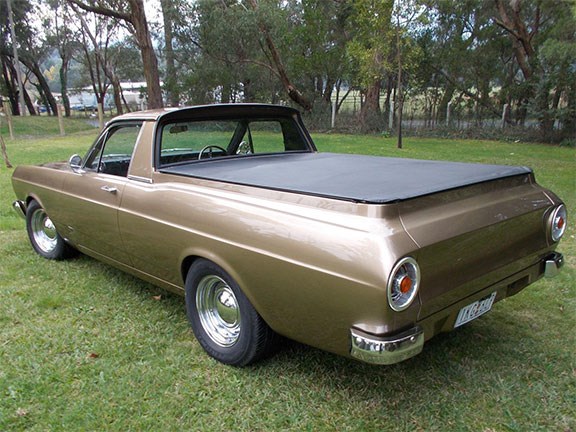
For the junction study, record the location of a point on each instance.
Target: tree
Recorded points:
(241, 50)
(371, 50)
(132, 12)
(31, 53)
(557, 56)
(274, 59)
(60, 35)
(405, 14)
(171, 77)
(320, 39)
(95, 45)
(542, 37)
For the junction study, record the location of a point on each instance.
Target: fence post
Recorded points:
(334, 105)
(5, 153)
(448, 110)
(504, 115)
(60, 120)
(100, 106)
(391, 114)
(8, 112)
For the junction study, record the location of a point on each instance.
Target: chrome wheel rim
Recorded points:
(218, 310)
(43, 231)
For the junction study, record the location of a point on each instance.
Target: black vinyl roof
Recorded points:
(367, 179)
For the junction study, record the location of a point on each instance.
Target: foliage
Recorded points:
(372, 44)
(86, 347)
(472, 58)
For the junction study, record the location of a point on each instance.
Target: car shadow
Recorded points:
(487, 353)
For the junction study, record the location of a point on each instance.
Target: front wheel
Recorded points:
(223, 320)
(43, 235)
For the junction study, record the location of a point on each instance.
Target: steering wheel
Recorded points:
(210, 147)
(244, 148)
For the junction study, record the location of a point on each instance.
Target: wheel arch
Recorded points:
(33, 197)
(191, 256)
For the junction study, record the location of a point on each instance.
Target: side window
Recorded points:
(265, 136)
(113, 152)
(273, 136)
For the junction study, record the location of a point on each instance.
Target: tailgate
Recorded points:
(467, 235)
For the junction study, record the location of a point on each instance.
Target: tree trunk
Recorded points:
(137, 18)
(292, 91)
(117, 92)
(519, 35)
(546, 120)
(370, 109)
(33, 67)
(389, 87)
(569, 120)
(171, 82)
(29, 104)
(248, 91)
(328, 89)
(8, 80)
(446, 98)
(126, 106)
(43, 99)
(64, 86)
(226, 94)
(149, 60)
(400, 91)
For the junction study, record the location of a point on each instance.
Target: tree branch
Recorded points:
(102, 11)
(469, 93)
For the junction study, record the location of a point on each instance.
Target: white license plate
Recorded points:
(474, 310)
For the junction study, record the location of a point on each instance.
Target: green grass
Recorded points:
(42, 126)
(86, 347)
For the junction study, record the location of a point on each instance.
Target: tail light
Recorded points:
(403, 284)
(558, 223)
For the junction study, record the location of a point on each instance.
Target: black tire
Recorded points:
(223, 320)
(43, 235)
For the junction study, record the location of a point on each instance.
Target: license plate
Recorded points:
(474, 310)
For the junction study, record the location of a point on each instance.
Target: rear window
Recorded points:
(186, 141)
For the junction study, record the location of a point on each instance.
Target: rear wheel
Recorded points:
(43, 235)
(223, 320)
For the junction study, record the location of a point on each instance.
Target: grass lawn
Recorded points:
(86, 347)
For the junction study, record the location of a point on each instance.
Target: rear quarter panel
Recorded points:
(474, 237)
(311, 272)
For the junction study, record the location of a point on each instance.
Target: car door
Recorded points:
(93, 193)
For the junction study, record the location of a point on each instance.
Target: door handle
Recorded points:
(109, 189)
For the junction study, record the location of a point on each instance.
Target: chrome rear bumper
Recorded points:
(20, 208)
(386, 350)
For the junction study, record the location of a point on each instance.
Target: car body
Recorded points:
(233, 206)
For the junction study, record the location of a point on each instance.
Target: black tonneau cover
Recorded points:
(366, 179)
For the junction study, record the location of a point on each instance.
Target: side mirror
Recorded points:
(75, 163)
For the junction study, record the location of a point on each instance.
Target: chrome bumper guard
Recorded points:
(20, 208)
(386, 350)
(552, 264)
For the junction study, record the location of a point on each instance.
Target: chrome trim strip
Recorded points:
(386, 350)
(552, 264)
(140, 179)
(19, 208)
